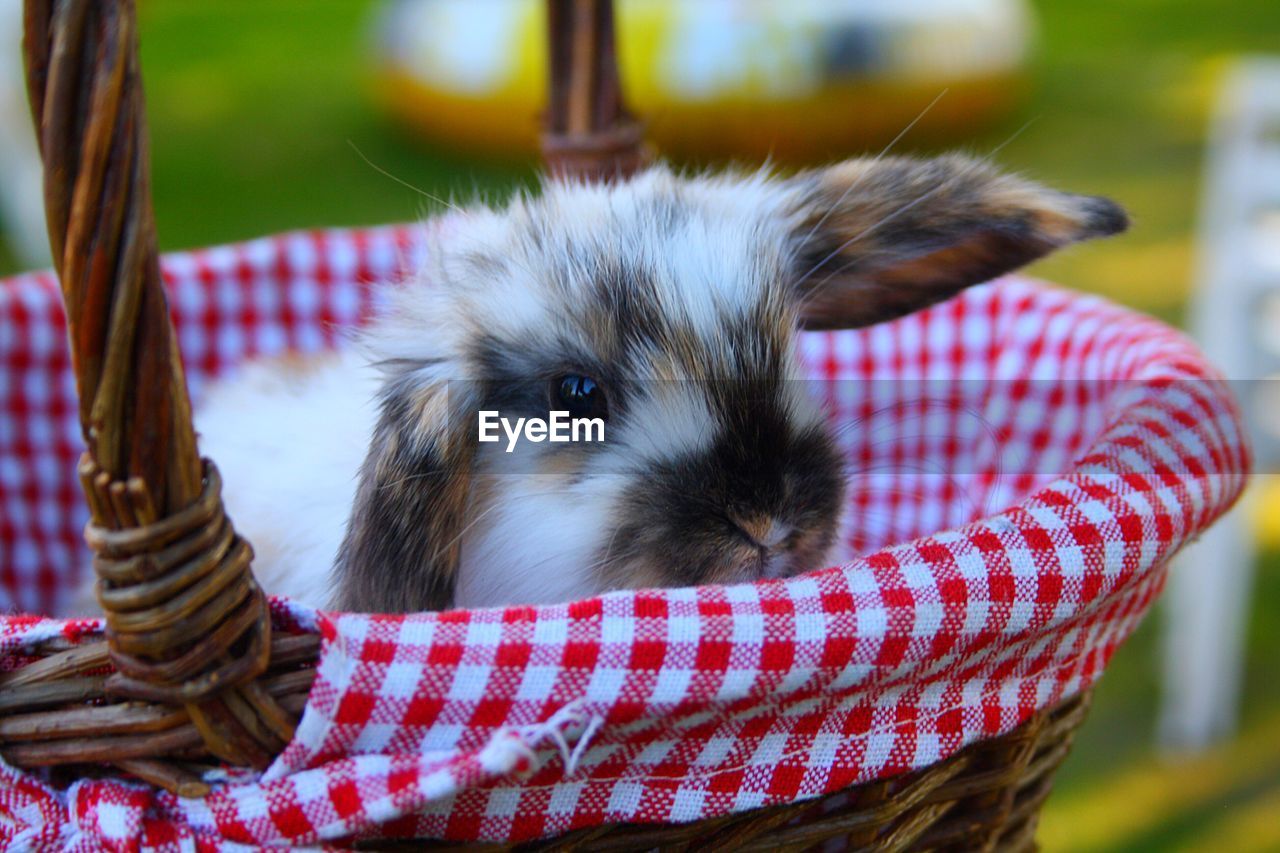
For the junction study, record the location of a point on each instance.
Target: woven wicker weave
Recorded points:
(985, 797)
(149, 699)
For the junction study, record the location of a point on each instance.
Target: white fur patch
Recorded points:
(289, 446)
(673, 421)
(538, 544)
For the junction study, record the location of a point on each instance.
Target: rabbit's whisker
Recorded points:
(855, 184)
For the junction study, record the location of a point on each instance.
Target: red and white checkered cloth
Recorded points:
(1025, 462)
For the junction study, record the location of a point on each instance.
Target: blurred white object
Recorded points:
(1236, 318)
(21, 191)
(800, 81)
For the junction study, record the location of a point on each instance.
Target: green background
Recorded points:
(256, 108)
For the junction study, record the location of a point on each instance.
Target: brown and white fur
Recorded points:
(682, 298)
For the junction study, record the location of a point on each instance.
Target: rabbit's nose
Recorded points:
(763, 531)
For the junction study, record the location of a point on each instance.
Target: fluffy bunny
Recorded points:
(667, 306)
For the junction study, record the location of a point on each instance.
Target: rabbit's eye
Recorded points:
(581, 396)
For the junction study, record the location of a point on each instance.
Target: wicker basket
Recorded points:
(158, 704)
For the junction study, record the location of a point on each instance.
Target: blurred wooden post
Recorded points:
(1207, 601)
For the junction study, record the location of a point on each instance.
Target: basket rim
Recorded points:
(846, 634)
(1164, 369)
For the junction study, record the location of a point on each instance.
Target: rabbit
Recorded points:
(665, 306)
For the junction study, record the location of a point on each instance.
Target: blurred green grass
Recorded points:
(8, 263)
(256, 107)
(257, 110)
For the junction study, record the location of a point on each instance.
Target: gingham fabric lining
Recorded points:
(672, 705)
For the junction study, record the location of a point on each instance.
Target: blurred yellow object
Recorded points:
(1266, 511)
(716, 79)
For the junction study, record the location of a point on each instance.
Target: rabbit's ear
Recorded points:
(876, 239)
(403, 540)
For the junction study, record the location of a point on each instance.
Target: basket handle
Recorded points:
(186, 622)
(587, 131)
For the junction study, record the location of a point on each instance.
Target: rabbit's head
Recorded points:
(668, 308)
